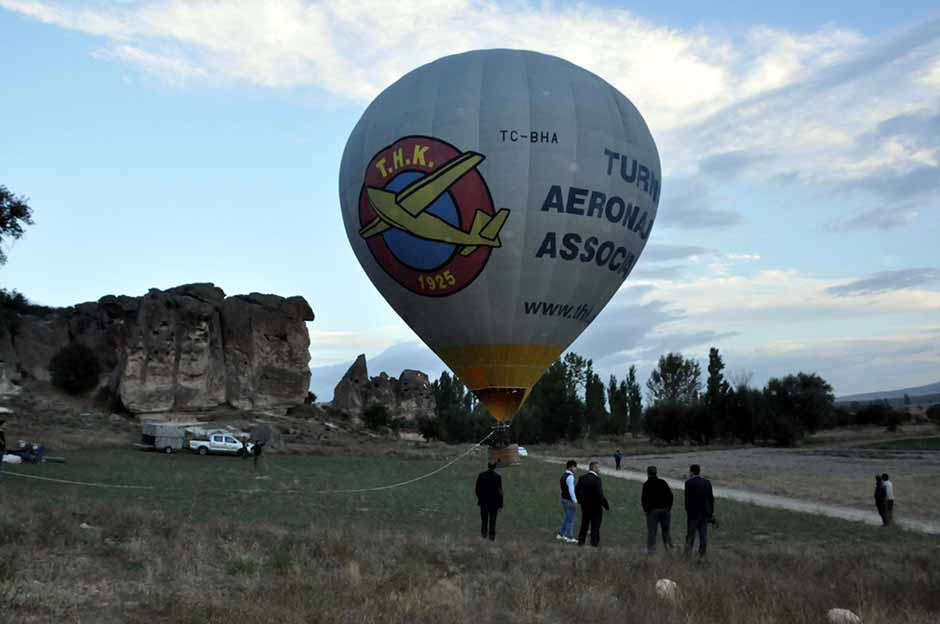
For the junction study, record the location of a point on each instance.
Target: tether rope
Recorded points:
(7, 473)
(401, 483)
(378, 488)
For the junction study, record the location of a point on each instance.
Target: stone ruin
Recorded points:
(408, 397)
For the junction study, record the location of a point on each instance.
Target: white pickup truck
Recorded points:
(220, 443)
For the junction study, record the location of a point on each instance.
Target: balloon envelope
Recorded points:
(498, 199)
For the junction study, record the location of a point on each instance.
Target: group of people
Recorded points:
(588, 492)
(884, 498)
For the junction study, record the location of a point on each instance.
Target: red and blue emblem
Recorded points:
(427, 215)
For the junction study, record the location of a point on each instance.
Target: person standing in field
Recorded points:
(699, 509)
(569, 503)
(590, 494)
(880, 493)
(889, 499)
(618, 457)
(3, 443)
(657, 505)
(489, 491)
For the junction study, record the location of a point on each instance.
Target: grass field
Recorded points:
(913, 444)
(214, 543)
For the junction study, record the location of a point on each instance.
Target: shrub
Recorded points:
(933, 413)
(666, 421)
(376, 416)
(75, 369)
(429, 428)
(13, 304)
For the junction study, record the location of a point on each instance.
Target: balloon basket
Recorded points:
(506, 456)
(502, 451)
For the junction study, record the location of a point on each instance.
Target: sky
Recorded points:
(163, 142)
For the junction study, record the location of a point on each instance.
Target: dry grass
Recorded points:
(199, 553)
(138, 566)
(841, 476)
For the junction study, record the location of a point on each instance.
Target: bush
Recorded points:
(311, 398)
(429, 428)
(13, 303)
(666, 421)
(893, 419)
(879, 413)
(376, 416)
(75, 369)
(933, 413)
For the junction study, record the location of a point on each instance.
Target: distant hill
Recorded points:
(919, 391)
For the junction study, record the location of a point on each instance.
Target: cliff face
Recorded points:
(408, 397)
(186, 348)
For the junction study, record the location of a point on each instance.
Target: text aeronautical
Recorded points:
(596, 204)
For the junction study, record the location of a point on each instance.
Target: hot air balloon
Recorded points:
(498, 199)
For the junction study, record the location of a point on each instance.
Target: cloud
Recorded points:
(886, 281)
(875, 219)
(354, 50)
(622, 325)
(691, 203)
(172, 69)
(647, 272)
(831, 109)
(730, 164)
(782, 298)
(663, 252)
(851, 364)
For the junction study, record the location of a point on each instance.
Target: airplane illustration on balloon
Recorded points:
(406, 209)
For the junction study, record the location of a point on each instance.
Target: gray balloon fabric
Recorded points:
(498, 199)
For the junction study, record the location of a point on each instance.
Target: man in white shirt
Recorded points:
(569, 503)
(889, 499)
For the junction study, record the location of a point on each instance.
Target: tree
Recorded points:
(617, 401)
(376, 416)
(674, 380)
(748, 409)
(665, 420)
(907, 399)
(800, 403)
(576, 372)
(713, 418)
(311, 398)
(554, 409)
(634, 397)
(14, 214)
(595, 414)
(874, 413)
(74, 368)
(933, 413)
(452, 410)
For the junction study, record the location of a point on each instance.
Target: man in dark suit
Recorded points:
(489, 490)
(590, 494)
(699, 509)
(657, 505)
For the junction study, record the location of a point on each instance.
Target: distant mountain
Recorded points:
(395, 359)
(933, 388)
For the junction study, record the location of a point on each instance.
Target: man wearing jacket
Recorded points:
(590, 494)
(569, 503)
(699, 509)
(889, 499)
(657, 505)
(489, 491)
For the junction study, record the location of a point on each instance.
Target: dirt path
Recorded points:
(779, 502)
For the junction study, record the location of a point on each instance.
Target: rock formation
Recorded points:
(186, 348)
(408, 397)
